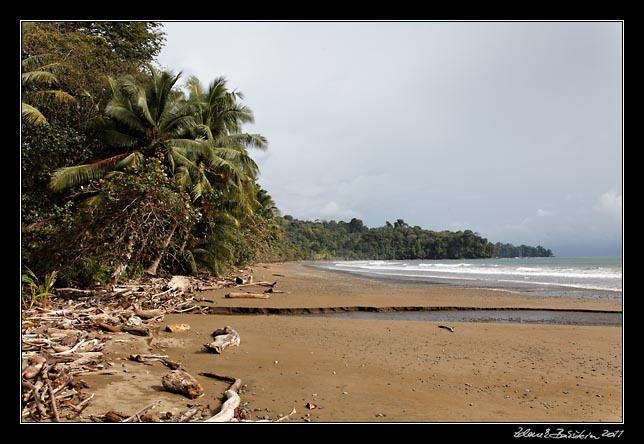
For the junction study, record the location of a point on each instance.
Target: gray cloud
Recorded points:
(512, 130)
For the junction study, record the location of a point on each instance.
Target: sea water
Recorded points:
(592, 277)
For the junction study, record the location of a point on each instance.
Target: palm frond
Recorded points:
(54, 95)
(243, 139)
(123, 114)
(37, 78)
(116, 138)
(68, 177)
(32, 115)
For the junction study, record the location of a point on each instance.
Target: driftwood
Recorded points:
(149, 314)
(216, 376)
(248, 295)
(185, 416)
(180, 381)
(260, 283)
(136, 330)
(65, 339)
(447, 328)
(137, 416)
(227, 412)
(176, 328)
(224, 338)
(244, 280)
(145, 358)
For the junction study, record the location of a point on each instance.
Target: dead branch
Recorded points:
(137, 416)
(227, 412)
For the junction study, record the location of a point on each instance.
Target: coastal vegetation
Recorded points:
(134, 171)
(131, 169)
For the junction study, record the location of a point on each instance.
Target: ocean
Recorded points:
(589, 277)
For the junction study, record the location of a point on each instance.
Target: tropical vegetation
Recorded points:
(129, 169)
(147, 173)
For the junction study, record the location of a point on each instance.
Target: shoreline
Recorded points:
(357, 370)
(546, 289)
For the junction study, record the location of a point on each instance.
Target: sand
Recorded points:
(378, 370)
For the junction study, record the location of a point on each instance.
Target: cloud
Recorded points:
(544, 213)
(609, 202)
(332, 211)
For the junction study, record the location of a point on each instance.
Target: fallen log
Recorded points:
(180, 381)
(227, 412)
(224, 338)
(248, 295)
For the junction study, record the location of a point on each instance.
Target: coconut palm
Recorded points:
(142, 121)
(199, 141)
(37, 80)
(219, 118)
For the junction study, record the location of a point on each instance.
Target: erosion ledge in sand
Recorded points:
(378, 370)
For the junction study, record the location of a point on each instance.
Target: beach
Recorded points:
(375, 370)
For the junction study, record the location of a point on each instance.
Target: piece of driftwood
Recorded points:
(176, 328)
(185, 416)
(180, 381)
(137, 416)
(447, 328)
(35, 366)
(108, 327)
(136, 330)
(248, 295)
(216, 376)
(145, 358)
(149, 314)
(224, 338)
(227, 412)
(171, 364)
(244, 280)
(260, 283)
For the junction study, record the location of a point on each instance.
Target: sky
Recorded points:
(510, 129)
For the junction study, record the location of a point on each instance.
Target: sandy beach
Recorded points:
(356, 370)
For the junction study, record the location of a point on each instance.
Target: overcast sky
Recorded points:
(510, 129)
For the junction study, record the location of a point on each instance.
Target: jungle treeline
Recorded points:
(314, 240)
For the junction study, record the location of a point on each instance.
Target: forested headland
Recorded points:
(353, 240)
(131, 169)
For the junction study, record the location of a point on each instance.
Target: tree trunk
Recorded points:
(152, 269)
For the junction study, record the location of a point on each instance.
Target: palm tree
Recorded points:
(199, 140)
(37, 73)
(219, 118)
(141, 121)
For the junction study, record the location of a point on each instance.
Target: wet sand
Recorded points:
(358, 370)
